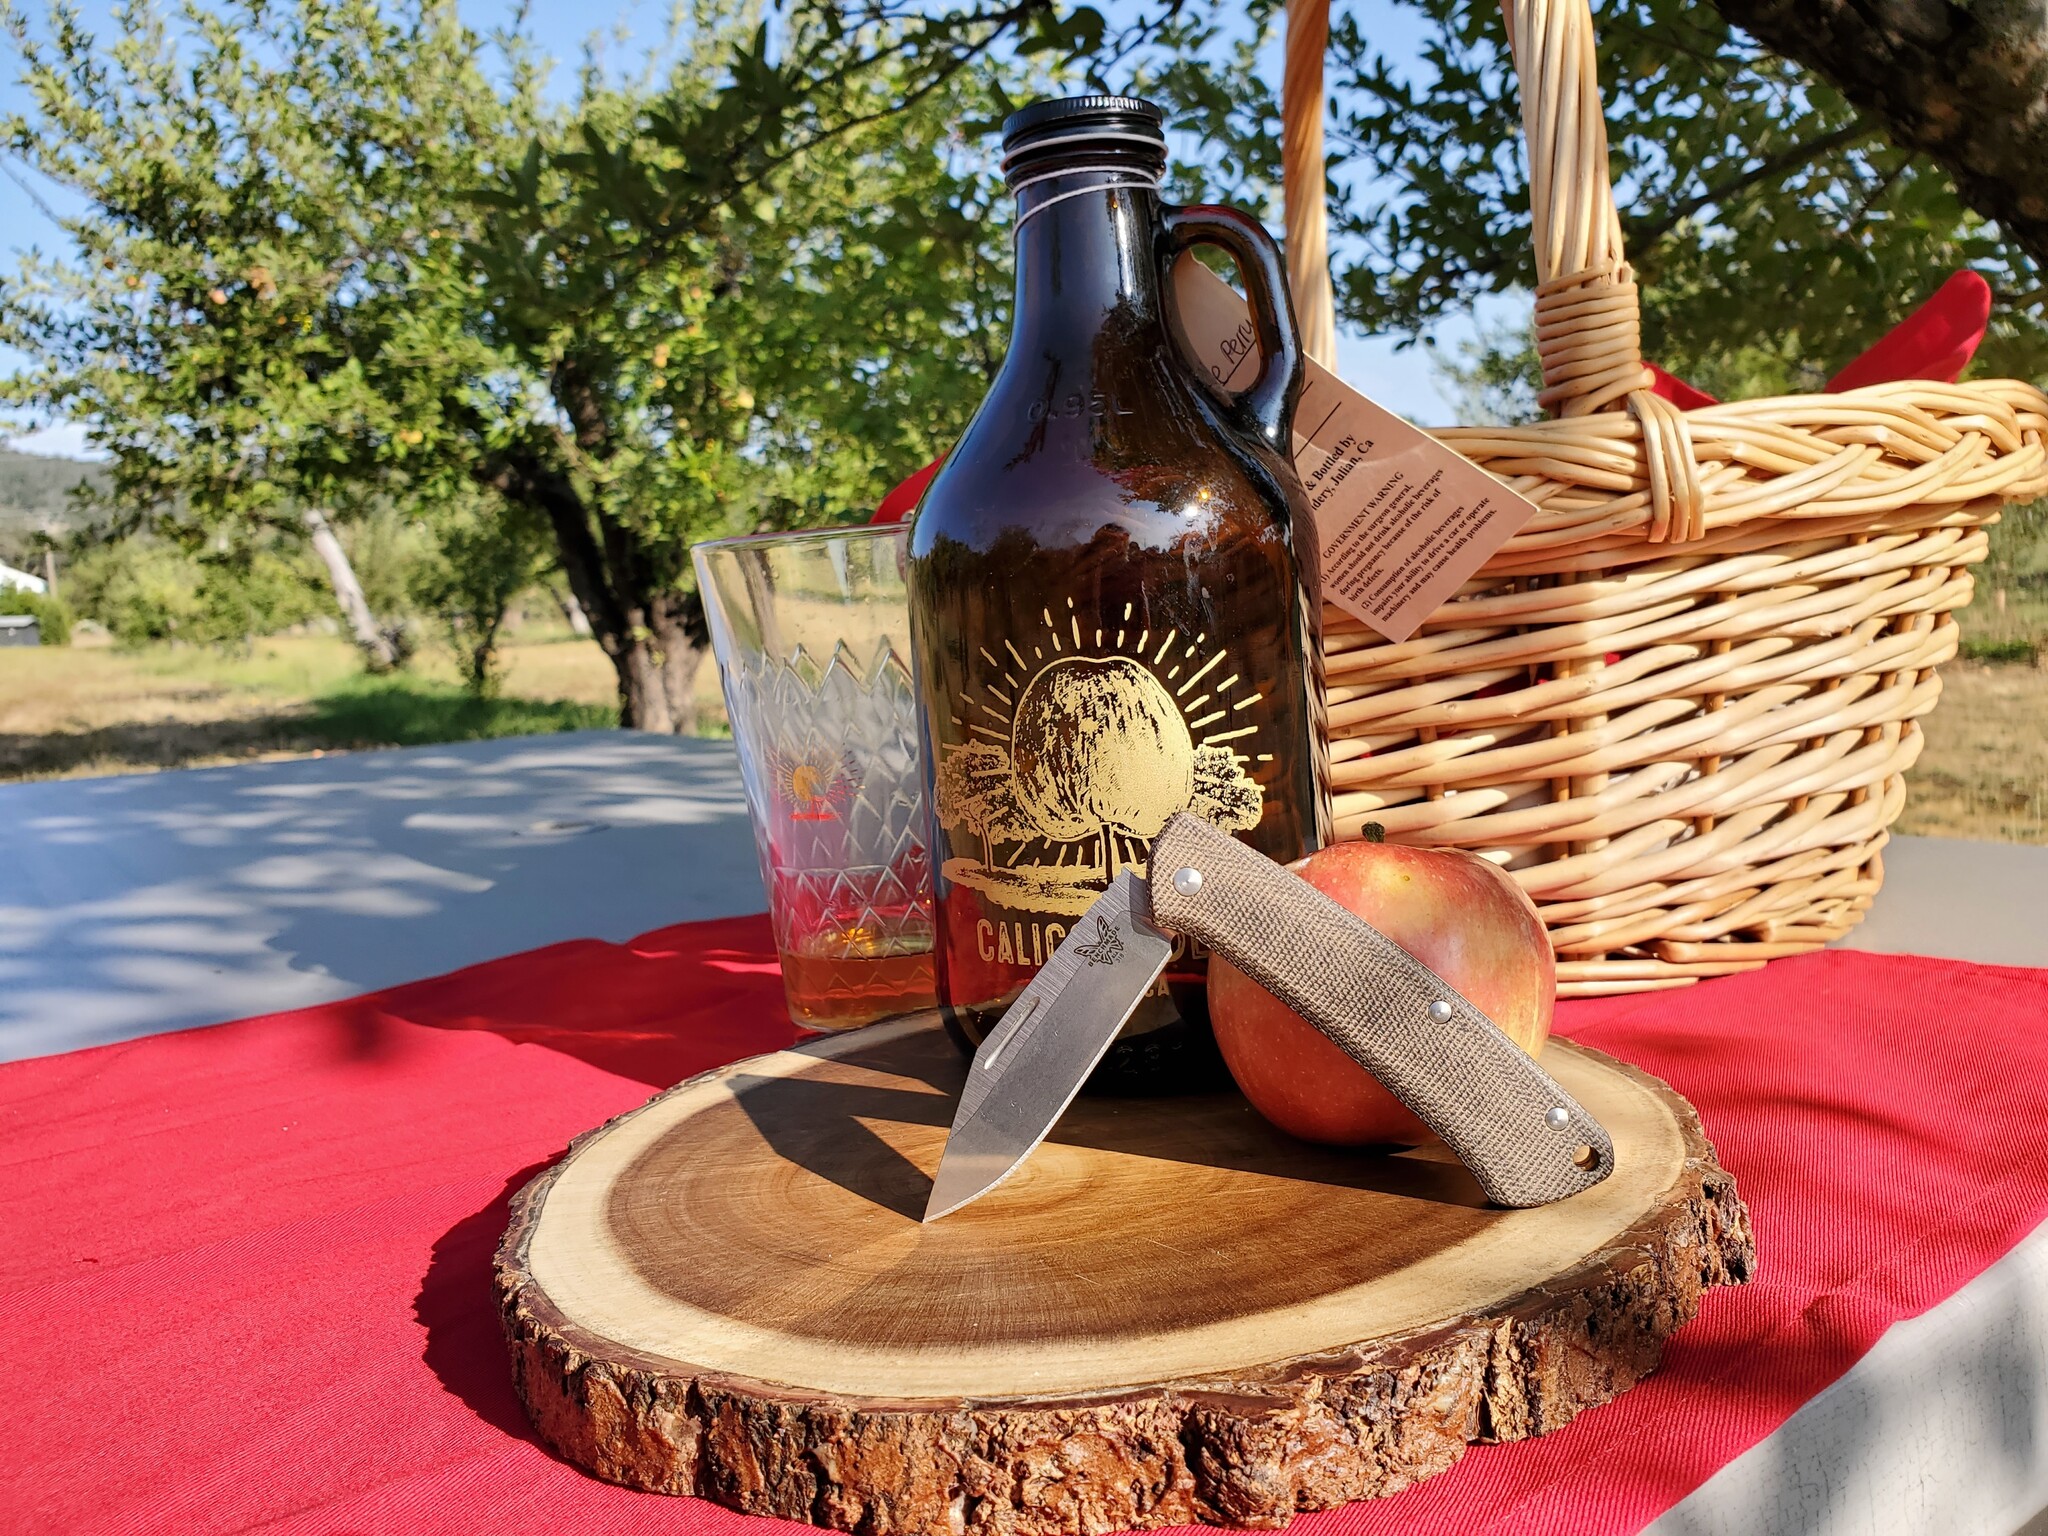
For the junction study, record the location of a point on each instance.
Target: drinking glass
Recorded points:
(811, 635)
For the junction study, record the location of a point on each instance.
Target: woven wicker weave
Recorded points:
(1678, 704)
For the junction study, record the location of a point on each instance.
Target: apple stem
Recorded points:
(1373, 832)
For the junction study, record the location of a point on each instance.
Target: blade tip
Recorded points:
(945, 1201)
(935, 1208)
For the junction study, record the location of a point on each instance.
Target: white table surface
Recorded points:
(155, 901)
(139, 904)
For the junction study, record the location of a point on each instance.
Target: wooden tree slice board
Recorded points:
(1172, 1313)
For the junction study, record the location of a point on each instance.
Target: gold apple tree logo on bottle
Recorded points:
(1081, 754)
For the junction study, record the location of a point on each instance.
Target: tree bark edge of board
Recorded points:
(1250, 1450)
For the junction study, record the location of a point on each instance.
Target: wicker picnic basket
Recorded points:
(1680, 702)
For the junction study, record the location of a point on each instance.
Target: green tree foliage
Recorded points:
(386, 543)
(483, 556)
(139, 589)
(755, 295)
(1963, 81)
(335, 261)
(241, 321)
(146, 590)
(1776, 229)
(51, 613)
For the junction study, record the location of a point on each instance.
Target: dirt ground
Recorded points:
(1985, 771)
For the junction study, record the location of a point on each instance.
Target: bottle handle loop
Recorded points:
(1265, 407)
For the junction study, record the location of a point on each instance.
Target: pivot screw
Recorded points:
(1187, 880)
(1558, 1118)
(1440, 1011)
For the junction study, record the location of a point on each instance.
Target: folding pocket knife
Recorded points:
(1525, 1139)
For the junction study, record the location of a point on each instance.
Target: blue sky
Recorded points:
(1403, 380)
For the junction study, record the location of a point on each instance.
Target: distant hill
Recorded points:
(35, 493)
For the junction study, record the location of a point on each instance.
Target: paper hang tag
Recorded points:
(1401, 521)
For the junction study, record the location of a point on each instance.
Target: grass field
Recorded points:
(73, 711)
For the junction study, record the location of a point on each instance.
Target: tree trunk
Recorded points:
(379, 649)
(481, 658)
(572, 611)
(684, 639)
(1964, 82)
(654, 635)
(656, 659)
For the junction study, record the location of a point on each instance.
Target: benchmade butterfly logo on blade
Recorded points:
(1106, 948)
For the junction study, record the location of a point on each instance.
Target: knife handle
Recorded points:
(1526, 1140)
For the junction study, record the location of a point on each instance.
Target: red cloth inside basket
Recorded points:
(1936, 341)
(248, 1266)
(902, 501)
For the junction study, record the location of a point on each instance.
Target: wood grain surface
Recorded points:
(1171, 1313)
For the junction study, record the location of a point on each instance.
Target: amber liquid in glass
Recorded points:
(831, 992)
(853, 951)
(1109, 625)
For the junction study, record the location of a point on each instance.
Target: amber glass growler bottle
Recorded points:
(1107, 610)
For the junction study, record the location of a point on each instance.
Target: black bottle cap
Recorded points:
(1118, 125)
(1116, 111)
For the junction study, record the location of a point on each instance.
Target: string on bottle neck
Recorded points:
(1151, 141)
(1131, 177)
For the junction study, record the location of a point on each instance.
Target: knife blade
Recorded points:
(1524, 1138)
(1028, 1069)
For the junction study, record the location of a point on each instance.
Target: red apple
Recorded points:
(1455, 912)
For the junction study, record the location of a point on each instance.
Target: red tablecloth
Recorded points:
(246, 1267)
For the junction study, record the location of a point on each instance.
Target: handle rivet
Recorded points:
(1558, 1118)
(1187, 880)
(1440, 1011)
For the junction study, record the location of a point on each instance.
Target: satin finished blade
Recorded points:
(1029, 1069)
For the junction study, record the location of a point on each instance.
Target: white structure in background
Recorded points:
(10, 577)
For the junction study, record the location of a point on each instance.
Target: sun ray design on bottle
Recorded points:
(1076, 758)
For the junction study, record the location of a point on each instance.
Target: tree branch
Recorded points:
(30, 193)
(1642, 231)
(1964, 82)
(998, 22)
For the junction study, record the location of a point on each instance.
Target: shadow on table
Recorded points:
(136, 904)
(663, 1007)
(1937, 1426)
(465, 1347)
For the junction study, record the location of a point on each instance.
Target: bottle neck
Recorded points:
(1086, 262)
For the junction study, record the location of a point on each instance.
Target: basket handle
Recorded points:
(1588, 310)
